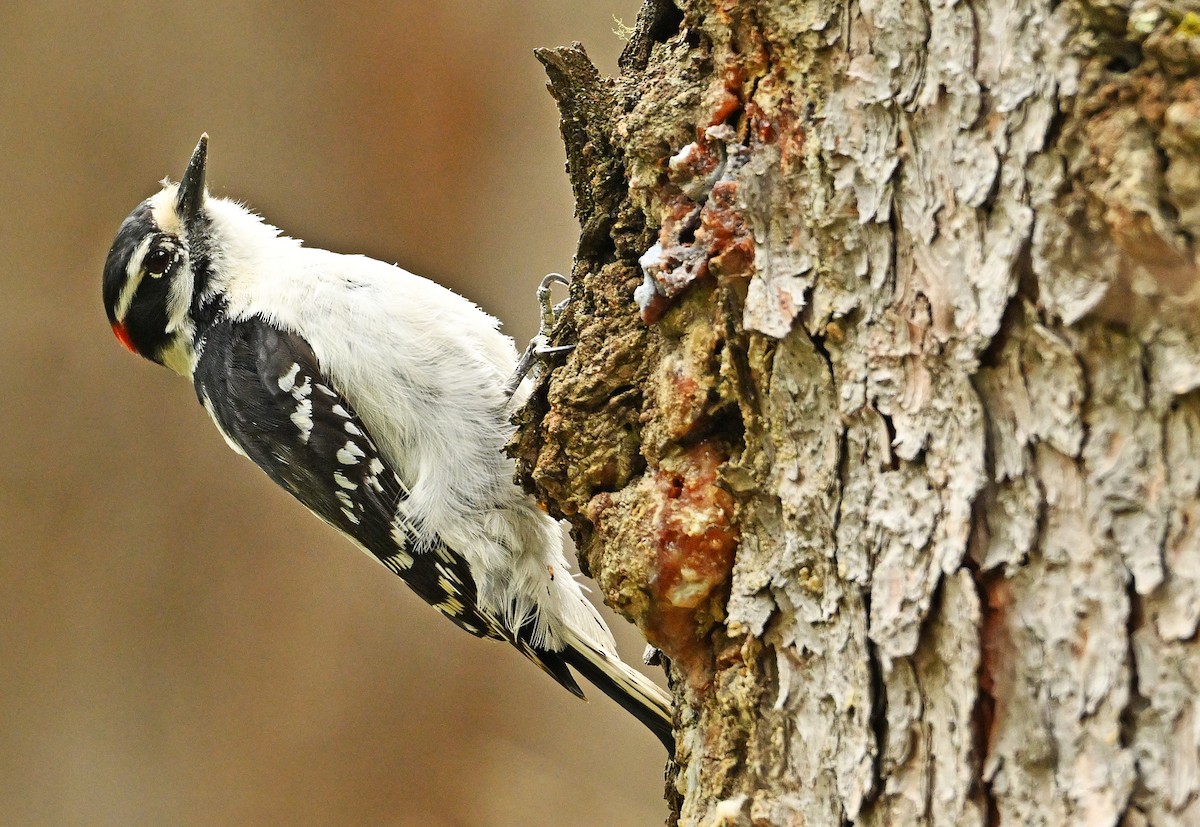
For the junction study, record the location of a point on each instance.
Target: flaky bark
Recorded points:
(896, 455)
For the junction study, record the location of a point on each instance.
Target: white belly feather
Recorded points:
(426, 370)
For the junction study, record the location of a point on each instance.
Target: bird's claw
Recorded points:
(537, 349)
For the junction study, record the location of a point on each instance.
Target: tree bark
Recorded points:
(882, 421)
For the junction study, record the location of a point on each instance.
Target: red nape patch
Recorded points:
(123, 337)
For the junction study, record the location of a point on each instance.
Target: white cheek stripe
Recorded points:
(179, 295)
(133, 278)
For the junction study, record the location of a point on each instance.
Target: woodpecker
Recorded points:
(378, 399)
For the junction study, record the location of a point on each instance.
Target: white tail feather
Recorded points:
(632, 690)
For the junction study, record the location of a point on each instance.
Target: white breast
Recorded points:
(426, 370)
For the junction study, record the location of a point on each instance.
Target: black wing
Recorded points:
(267, 393)
(269, 397)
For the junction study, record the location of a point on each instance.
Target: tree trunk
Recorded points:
(882, 421)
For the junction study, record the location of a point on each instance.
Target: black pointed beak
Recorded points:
(191, 186)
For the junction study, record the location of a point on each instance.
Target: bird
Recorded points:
(380, 400)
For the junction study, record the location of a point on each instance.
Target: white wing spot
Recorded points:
(447, 574)
(350, 453)
(401, 559)
(341, 480)
(340, 411)
(353, 429)
(451, 606)
(302, 419)
(400, 533)
(288, 380)
(344, 499)
(375, 465)
(325, 390)
(350, 515)
(399, 524)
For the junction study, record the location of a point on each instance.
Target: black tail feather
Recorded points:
(638, 707)
(632, 691)
(554, 665)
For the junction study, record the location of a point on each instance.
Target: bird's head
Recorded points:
(155, 267)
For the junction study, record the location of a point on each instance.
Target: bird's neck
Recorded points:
(237, 252)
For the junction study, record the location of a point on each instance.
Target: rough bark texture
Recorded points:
(896, 454)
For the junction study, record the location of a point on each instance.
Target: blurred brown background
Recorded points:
(182, 644)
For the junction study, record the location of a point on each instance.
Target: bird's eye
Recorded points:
(158, 261)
